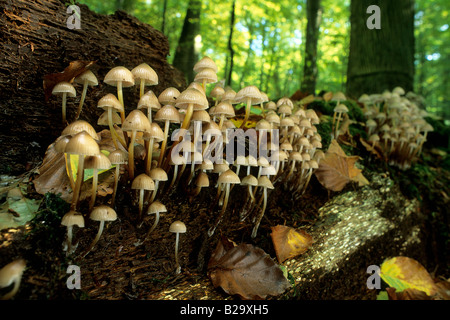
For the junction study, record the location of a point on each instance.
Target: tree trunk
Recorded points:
(230, 46)
(314, 15)
(381, 59)
(186, 55)
(35, 41)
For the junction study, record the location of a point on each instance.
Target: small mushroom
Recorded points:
(157, 175)
(265, 183)
(142, 183)
(70, 219)
(146, 77)
(155, 208)
(120, 77)
(96, 163)
(12, 273)
(167, 114)
(103, 214)
(117, 158)
(248, 95)
(87, 78)
(177, 227)
(64, 89)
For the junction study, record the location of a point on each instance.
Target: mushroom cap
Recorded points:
(158, 174)
(313, 164)
(103, 213)
(98, 161)
(229, 95)
(295, 156)
(207, 74)
(225, 108)
(251, 92)
(110, 101)
(202, 180)
(217, 92)
(103, 119)
(154, 133)
(64, 87)
(168, 96)
(263, 124)
(143, 181)
(221, 167)
(149, 100)
(201, 115)
(83, 144)
(192, 96)
(265, 182)
(287, 122)
(118, 157)
(249, 180)
(73, 218)
(341, 108)
(273, 118)
(79, 126)
(119, 74)
(144, 72)
(156, 207)
(286, 146)
(87, 76)
(229, 177)
(61, 142)
(285, 100)
(167, 113)
(205, 62)
(338, 96)
(10, 272)
(285, 109)
(177, 227)
(207, 165)
(136, 120)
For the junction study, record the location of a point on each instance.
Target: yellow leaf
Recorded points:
(289, 243)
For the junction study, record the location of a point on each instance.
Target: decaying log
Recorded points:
(35, 41)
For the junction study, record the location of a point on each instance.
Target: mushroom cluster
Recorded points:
(395, 125)
(205, 148)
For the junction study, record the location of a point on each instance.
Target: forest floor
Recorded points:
(119, 269)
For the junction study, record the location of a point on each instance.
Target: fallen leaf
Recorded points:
(404, 273)
(337, 169)
(307, 100)
(327, 96)
(407, 294)
(246, 271)
(376, 150)
(289, 243)
(74, 69)
(17, 210)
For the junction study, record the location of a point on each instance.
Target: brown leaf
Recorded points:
(289, 243)
(407, 294)
(246, 271)
(337, 169)
(376, 150)
(74, 69)
(327, 96)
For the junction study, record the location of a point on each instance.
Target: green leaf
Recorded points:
(88, 173)
(17, 211)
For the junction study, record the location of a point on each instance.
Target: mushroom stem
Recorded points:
(148, 161)
(247, 113)
(69, 239)
(79, 181)
(154, 191)
(261, 214)
(164, 142)
(97, 237)
(111, 128)
(116, 183)
(153, 226)
(120, 98)
(188, 116)
(94, 189)
(141, 202)
(219, 218)
(131, 155)
(142, 88)
(178, 267)
(83, 97)
(64, 98)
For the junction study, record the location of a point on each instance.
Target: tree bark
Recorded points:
(186, 54)
(35, 41)
(381, 59)
(314, 16)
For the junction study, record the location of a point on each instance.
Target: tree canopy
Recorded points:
(269, 42)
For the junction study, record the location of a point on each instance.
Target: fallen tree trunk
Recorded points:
(35, 40)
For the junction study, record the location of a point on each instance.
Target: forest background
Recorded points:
(262, 42)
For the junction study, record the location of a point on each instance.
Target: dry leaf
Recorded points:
(327, 96)
(74, 69)
(376, 150)
(246, 271)
(337, 169)
(407, 294)
(289, 243)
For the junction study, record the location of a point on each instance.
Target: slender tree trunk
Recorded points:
(249, 50)
(230, 45)
(186, 54)
(381, 59)
(163, 23)
(314, 16)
